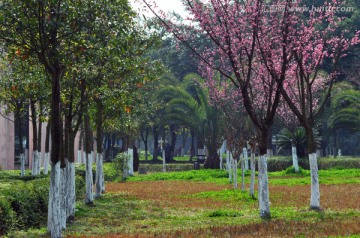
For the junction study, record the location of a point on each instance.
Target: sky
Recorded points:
(164, 5)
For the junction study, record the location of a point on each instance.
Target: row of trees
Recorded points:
(264, 57)
(76, 65)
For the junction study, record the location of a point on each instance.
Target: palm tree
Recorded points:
(188, 105)
(345, 113)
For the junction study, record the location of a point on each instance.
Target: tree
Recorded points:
(188, 105)
(310, 43)
(232, 29)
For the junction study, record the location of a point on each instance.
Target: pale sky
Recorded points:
(164, 5)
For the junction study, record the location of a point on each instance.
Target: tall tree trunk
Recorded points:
(294, 156)
(63, 176)
(99, 176)
(314, 172)
(71, 191)
(47, 148)
(212, 160)
(54, 225)
(252, 179)
(40, 152)
(35, 157)
(183, 144)
(173, 141)
(246, 159)
(88, 148)
(156, 142)
(192, 146)
(144, 138)
(264, 202)
(146, 143)
(21, 142)
(80, 154)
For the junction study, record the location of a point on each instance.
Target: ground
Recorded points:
(181, 206)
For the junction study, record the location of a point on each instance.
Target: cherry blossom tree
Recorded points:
(311, 41)
(231, 30)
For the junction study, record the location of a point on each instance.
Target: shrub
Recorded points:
(291, 171)
(24, 204)
(169, 167)
(7, 216)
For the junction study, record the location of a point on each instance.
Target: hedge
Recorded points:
(24, 201)
(281, 163)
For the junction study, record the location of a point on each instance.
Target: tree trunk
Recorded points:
(47, 148)
(88, 148)
(252, 179)
(246, 159)
(54, 225)
(184, 138)
(22, 155)
(156, 142)
(173, 141)
(212, 160)
(295, 158)
(314, 172)
(70, 173)
(192, 146)
(35, 156)
(235, 163)
(264, 202)
(99, 179)
(243, 175)
(56, 143)
(229, 165)
(39, 143)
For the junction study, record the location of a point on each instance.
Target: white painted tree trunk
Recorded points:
(243, 161)
(234, 161)
(246, 158)
(41, 159)
(79, 157)
(339, 153)
(315, 187)
(71, 192)
(63, 197)
(99, 176)
(164, 162)
(54, 225)
(46, 163)
(89, 179)
(228, 164)
(22, 164)
(220, 159)
(84, 157)
(269, 153)
(131, 161)
(295, 159)
(34, 162)
(264, 202)
(252, 180)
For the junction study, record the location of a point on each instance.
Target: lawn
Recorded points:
(202, 203)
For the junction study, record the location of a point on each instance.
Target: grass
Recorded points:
(202, 203)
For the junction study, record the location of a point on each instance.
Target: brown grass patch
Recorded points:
(334, 197)
(170, 193)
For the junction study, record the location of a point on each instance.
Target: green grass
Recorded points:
(227, 209)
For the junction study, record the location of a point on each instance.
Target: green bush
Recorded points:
(24, 203)
(291, 171)
(152, 168)
(29, 204)
(342, 163)
(7, 216)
